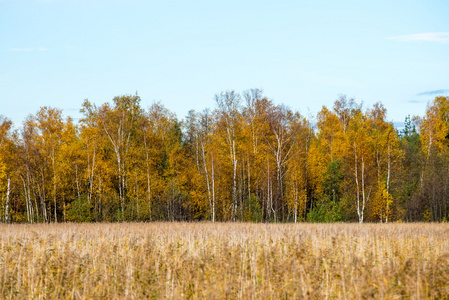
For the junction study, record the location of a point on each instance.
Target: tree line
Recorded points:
(246, 160)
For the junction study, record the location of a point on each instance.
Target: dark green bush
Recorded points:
(80, 210)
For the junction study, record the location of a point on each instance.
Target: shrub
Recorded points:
(80, 210)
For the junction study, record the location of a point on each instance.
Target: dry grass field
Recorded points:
(224, 261)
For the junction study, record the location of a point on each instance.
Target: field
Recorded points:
(224, 260)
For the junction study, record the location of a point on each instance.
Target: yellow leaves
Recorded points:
(2, 175)
(330, 138)
(427, 216)
(368, 148)
(122, 158)
(381, 204)
(435, 125)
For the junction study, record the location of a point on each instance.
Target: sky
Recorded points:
(302, 54)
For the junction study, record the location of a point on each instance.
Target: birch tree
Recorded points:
(229, 121)
(118, 123)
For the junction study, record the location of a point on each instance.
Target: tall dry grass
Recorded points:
(224, 260)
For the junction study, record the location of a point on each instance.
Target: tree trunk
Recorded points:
(363, 190)
(148, 175)
(7, 202)
(91, 174)
(120, 185)
(296, 201)
(77, 182)
(213, 190)
(206, 173)
(234, 185)
(388, 183)
(42, 197)
(359, 213)
(54, 183)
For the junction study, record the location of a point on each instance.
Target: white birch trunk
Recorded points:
(7, 202)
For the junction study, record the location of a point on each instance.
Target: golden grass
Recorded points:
(224, 260)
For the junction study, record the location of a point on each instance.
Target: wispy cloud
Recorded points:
(21, 49)
(416, 101)
(431, 93)
(42, 49)
(441, 37)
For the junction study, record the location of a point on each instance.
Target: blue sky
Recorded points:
(303, 54)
